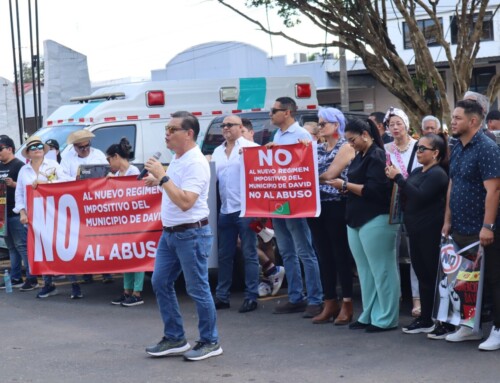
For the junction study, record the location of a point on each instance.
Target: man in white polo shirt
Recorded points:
(186, 241)
(230, 224)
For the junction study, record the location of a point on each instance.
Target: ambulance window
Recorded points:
(109, 135)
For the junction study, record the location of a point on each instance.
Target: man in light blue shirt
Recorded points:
(292, 234)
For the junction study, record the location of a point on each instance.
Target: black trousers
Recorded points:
(424, 254)
(329, 233)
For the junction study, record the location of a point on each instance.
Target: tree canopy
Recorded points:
(363, 26)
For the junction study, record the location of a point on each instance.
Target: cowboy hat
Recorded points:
(79, 136)
(31, 141)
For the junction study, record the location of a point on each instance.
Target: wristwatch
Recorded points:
(163, 180)
(490, 226)
(344, 186)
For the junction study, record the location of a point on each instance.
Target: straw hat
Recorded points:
(34, 140)
(79, 136)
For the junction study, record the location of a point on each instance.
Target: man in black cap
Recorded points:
(54, 146)
(16, 232)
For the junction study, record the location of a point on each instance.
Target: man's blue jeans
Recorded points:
(294, 242)
(229, 227)
(186, 252)
(16, 241)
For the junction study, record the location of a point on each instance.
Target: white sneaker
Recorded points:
(264, 289)
(277, 279)
(493, 341)
(463, 334)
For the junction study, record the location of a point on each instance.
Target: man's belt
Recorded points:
(185, 226)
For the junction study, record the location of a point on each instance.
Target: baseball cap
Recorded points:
(53, 143)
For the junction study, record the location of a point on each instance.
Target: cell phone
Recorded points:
(388, 159)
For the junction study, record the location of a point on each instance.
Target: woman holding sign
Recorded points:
(425, 200)
(118, 157)
(371, 238)
(40, 170)
(329, 229)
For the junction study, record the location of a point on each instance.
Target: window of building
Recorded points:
(481, 78)
(428, 27)
(487, 28)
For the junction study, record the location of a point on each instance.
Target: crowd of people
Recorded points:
(379, 186)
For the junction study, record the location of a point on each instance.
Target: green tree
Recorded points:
(363, 25)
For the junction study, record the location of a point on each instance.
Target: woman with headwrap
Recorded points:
(402, 155)
(329, 230)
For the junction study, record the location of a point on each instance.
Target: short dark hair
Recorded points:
(189, 121)
(288, 103)
(7, 142)
(471, 107)
(493, 115)
(379, 117)
(247, 123)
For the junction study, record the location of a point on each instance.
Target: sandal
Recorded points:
(417, 309)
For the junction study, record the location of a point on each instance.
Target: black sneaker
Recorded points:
(47, 291)
(440, 331)
(29, 285)
(76, 292)
(132, 300)
(419, 326)
(168, 347)
(220, 305)
(120, 299)
(16, 283)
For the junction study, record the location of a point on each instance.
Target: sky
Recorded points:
(129, 38)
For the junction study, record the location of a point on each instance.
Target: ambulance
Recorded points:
(140, 111)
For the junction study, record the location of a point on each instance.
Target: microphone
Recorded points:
(144, 171)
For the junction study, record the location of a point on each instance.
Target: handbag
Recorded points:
(396, 206)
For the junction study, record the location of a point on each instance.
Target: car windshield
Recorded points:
(59, 133)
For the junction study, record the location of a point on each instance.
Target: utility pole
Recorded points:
(344, 83)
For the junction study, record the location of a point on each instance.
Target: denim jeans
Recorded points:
(16, 241)
(229, 226)
(186, 252)
(294, 242)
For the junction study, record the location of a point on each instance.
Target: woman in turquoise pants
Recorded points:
(371, 238)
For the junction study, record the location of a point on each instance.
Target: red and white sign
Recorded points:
(280, 182)
(104, 225)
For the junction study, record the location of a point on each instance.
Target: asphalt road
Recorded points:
(90, 340)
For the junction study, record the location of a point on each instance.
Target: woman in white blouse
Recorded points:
(402, 155)
(39, 170)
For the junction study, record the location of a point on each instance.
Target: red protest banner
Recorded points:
(280, 182)
(104, 225)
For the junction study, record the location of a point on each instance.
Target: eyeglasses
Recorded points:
(422, 148)
(35, 147)
(324, 123)
(276, 110)
(82, 147)
(352, 139)
(172, 129)
(228, 125)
